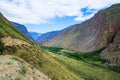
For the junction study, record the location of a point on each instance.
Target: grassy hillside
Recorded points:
(85, 67)
(7, 29)
(31, 52)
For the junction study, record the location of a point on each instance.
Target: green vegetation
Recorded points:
(11, 49)
(14, 58)
(23, 69)
(18, 78)
(87, 66)
(52, 49)
(9, 63)
(1, 47)
(89, 57)
(7, 29)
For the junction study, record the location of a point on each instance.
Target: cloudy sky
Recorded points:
(47, 15)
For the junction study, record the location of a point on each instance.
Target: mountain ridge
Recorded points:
(22, 29)
(94, 33)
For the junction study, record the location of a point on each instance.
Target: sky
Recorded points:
(49, 15)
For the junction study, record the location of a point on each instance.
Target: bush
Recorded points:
(23, 69)
(11, 49)
(1, 47)
(18, 78)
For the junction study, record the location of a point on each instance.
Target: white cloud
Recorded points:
(40, 11)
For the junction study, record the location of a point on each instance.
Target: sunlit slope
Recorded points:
(12, 42)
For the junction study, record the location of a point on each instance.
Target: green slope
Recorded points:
(83, 69)
(31, 53)
(7, 29)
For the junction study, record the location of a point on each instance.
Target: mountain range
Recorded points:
(92, 34)
(86, 51)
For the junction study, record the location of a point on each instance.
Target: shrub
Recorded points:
(1, 47)
(11, 49)
(23, 69)
(14, 58)
(18, 78)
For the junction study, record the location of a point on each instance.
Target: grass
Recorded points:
(14, 58)
(9, 63)
(85, 70)
(23, 69)
(34, 55)
(44, 63)
(89, 66)
(7, 29)
(89, 57)
(18, 78)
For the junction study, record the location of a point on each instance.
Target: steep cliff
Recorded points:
(112, 53)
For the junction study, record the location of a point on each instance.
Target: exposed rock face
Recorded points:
(92, 34)
(14, 68)
(45, 43)
(112, 53)
(8, 41)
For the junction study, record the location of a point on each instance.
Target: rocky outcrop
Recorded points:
(112, 53)
(8, 41)
(14, 68)
(92, 34)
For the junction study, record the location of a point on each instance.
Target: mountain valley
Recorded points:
(86, 51)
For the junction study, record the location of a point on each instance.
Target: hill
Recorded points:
(12, 42)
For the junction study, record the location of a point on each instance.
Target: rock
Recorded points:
(112, 53)
(10, 69)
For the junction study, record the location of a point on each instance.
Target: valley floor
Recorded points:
(86, 68)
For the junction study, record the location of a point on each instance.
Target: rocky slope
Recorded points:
(112, 53)
(14, 68)
(92, 34)
(23, 30)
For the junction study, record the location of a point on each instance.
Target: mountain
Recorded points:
(35, 35)
(112, 53)
(23, 30)
(47, 36)
(91, 34)
(14, 43)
